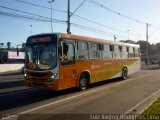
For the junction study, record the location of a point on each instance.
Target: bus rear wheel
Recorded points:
(83, 82)
(124, 73)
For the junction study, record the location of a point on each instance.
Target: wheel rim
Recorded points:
(83, 82)
(124, 73)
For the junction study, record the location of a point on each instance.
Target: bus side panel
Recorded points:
(106, 69)
(133, 65)
(68, 77)
(117, 66)
(94, 67)
(101, 70)
(82, 66)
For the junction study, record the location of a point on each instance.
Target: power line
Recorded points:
(27, 17)
(94, 2)
(95, 30)
(22, 16)
(91, 29)
(99, 23)
(78, 7)
(29, 3)
(115, 12)
(43, 20)
(122, 15)
(69, 15)
(100, 31)
(22, 11)
(154, 32)
(74, 14)
(31, 14)
(46, 19)
(105, 26)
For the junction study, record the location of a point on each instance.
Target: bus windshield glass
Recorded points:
(41, 56)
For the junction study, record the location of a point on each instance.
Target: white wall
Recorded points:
(10, 67)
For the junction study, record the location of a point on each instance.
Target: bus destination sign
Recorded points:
(41, 39)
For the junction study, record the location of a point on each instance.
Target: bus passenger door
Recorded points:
(67, 66)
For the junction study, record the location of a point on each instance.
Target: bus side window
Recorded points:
(94, 50)
(111, 48)
(107, 52)
(131, 52)
(117, 52)
(136, 52)
(60, 49)
(65, 49)
(68, 54)
(128, 51)
(82, 50)
(124, 52)
(120, 50)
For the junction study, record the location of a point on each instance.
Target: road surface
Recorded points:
(114, 96)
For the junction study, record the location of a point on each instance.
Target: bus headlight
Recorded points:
(51, 78)
(26, 77)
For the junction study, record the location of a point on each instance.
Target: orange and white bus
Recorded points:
(60, 61)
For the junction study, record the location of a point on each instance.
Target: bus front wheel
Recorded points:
(83, 82)
(124, 73)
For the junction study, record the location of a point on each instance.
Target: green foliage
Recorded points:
(154, 108)
(152, 112)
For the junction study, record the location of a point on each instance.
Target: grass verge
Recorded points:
(151, 113)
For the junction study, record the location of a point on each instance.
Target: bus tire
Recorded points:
(83, 82)
(124, 73)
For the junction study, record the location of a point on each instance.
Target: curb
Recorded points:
(144, 104)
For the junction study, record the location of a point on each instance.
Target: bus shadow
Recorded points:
(22, 98)
(11, 84)
(31, 96)
(109, 81)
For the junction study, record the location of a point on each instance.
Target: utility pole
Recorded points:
(147, 25)
(68, 21)
(128, 33)
(115, 38)
(51, 14)
(31, 29)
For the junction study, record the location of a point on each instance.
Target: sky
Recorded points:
(125, 19)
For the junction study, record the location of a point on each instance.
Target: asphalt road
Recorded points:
(114, 96)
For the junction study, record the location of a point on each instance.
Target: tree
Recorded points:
(143, 45)
(9, 45)
(158, 46)
(128, 41)
(1, 45)
(23, 45)
(153, 47)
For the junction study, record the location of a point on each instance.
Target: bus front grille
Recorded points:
(38, 79)
(38, 84)
(39, 76)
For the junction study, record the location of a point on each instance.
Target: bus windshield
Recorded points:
(41, 57)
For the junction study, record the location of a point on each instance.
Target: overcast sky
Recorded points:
(122, 18)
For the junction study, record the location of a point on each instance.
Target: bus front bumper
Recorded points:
(46, 85)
